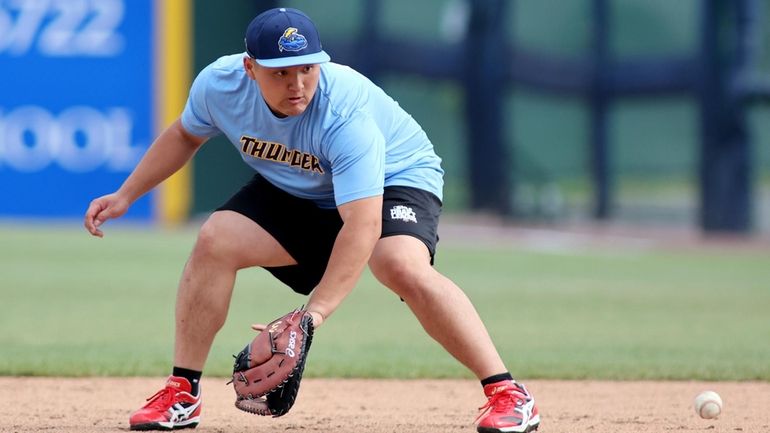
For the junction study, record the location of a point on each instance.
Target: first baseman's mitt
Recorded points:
(267, 372)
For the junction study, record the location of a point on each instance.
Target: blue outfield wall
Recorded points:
(76, 103)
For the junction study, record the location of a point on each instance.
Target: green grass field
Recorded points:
(78, 306)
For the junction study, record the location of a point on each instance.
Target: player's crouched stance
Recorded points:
(334, 155)
(173, 407)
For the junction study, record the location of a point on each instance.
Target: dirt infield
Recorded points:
(370, 406)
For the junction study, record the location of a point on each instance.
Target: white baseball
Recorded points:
(708, 404)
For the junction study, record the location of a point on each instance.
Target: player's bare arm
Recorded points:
(362, 226)
(167, 154)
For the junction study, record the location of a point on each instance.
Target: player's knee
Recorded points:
(212, 243)
(407, 279)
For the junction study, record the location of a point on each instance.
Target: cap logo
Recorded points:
(292, 41)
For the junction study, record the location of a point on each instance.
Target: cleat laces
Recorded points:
(162, 399)
(502, 402)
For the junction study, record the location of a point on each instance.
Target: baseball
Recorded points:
(708, 404)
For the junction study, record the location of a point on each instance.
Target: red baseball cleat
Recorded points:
(173, 407)
(510, 408)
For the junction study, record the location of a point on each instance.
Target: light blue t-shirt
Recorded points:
(351, 141)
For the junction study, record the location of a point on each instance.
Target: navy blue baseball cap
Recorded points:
(283, 37)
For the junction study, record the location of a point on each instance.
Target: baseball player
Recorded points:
(343, 177)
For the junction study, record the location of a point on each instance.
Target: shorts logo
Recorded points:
(403, 213)
(291, 40)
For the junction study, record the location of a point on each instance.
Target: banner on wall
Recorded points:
(76, 102)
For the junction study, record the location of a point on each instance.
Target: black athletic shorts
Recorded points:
(308, 232)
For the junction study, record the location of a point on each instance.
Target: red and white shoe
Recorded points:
(173, 407)
(510, 408)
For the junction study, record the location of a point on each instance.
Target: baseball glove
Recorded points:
(268, 371)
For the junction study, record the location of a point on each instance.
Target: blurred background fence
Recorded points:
(647, 112)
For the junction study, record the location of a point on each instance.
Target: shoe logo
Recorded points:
(181, 411)
(498, 389)
(403, 213)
